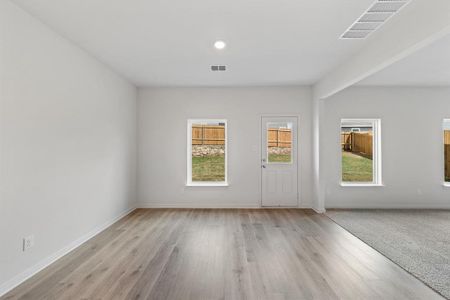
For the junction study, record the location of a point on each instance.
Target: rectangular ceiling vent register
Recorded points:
(372, 19)
(218, 68)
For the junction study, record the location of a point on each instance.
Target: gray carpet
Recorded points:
(416, 240)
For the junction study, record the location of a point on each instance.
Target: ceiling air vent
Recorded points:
(377, 14)
(218, 68)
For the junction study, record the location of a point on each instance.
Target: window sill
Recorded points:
(211, 184)
(343, 184)
(446, 184)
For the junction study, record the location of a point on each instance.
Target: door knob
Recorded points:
(263, 166)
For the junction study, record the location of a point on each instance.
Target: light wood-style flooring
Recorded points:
(223, 254)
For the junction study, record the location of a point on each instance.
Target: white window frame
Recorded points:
(444, 183)
(189, 181)
(377, 166)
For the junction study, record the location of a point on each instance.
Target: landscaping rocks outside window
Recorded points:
(207, 150)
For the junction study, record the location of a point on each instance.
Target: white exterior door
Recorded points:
(279, 184)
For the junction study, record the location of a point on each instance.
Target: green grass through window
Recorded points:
(208, 168)
(356, 168)
(284, 158)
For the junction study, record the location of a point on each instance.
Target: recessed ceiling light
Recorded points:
(220, 45)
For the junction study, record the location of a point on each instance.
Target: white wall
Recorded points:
(317, 174)
(412, 147)
(163, 115)
(68, 142)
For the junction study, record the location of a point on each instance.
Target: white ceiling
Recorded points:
(170, 42)
(427, 67)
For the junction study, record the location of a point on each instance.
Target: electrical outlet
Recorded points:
(28, 242)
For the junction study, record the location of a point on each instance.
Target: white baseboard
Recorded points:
(193, 205)
(319, 211)
(389, 206)
(18, 279)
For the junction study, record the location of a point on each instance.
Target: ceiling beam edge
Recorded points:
(418, 25)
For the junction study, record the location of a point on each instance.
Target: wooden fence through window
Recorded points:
(215, 135)
(208, 134)
(361, 143)
(358, 142)
(279, 137)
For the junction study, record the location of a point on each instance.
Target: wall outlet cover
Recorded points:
(28, 242)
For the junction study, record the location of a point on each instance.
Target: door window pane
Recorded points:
(279, 142)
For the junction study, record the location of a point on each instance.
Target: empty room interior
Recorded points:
(210, 149)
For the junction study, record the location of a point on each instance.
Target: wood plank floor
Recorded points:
(223, 254)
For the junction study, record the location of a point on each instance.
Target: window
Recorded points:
(279, 143)
(446, 129)
(207, 152)
(361, 152)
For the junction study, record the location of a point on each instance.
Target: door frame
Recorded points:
(297, 116)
